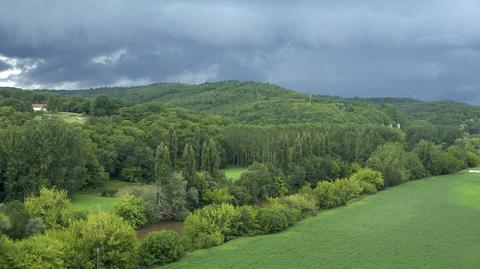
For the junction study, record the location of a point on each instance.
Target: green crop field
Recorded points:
(90, 202)
(234, 172)
(428, 223)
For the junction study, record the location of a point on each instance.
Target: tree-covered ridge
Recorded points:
(242, 101)
(443, 112)
(201, 96)
(259, 103)
(248, 102)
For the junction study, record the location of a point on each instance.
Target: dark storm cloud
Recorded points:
(424, 49)
(3, 66)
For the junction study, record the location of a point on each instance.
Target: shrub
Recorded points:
(211, 225)
(472, 159)
(248, 219)
(415, 166)
(106, 235)
(18, 218)
(347, 189)
(34, 226)
(370, 180)
(52, 206)
(304, 202)
(161, 247)
(391, 160)
(5, 223)
(291, 211)
(240, 194)
(132, 209)
(325, 193)
(272, 219)
(7, 252)
(42, 252)
(262, 181)
(218, 196)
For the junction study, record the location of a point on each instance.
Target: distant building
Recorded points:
(39, 107)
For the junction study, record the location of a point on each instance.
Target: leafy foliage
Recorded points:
(52, 205)
(161, 247)
(212, 225)
(107, 237)
(369, 180)
(132, 209)
(46, 152)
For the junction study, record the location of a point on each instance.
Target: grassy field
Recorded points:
(234, 172)
(93, 201)
(90, 200)
(429, 223)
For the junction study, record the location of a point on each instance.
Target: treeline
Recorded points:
(284, 145)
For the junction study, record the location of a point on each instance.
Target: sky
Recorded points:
(426, 49)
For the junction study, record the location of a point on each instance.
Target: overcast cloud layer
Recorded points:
(425, 49)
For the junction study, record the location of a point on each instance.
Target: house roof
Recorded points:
(39, 105)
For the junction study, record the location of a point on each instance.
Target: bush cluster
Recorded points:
(101, 237)
(161, 247)
(132, 209)
(212, 225)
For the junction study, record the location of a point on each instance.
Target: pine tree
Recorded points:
(189, 165)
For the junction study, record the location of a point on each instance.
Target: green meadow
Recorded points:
(428, 223)
(92, 201)
(234, 172)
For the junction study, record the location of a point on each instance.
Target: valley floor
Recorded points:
(428, 223)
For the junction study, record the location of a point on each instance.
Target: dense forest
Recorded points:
(178, 138)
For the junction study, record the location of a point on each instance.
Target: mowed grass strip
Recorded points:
(428, 223)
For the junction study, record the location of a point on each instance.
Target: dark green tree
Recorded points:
(163, 170)
(204, 157)
(173, 146)
(211, 159)
(189, 165)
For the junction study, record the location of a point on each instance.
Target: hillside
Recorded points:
(443, 112)
(242, 101)
(248, 102)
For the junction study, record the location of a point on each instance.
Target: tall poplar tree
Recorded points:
(204, 157)
(189, 165)
(163, 168)
(173, 146)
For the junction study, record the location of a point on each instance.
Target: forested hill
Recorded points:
(253, 102)
(249, 102)
(443, 112)
(264, 103)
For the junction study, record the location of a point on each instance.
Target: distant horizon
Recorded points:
(245, 81)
